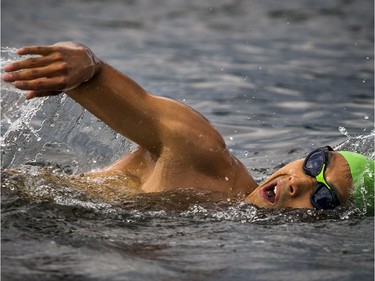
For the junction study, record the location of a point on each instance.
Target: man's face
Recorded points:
(291, 187)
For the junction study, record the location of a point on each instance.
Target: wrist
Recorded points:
(95, 65)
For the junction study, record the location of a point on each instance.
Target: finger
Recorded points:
(30, 63)
(36, 50)
(35, 73)
(43, 84)
(35, 94)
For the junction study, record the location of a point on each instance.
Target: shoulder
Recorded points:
(183, 128)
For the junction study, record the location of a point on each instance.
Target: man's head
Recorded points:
(324, 180)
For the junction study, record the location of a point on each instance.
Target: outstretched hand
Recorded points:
(57, 68)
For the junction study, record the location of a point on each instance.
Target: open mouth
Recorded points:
(269, 192)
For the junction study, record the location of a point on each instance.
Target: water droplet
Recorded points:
(226, 178)
(364, 81)
(366, 117)
(344, 131)
(260, 67)
(231, 138)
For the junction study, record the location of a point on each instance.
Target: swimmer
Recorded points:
(178, 147)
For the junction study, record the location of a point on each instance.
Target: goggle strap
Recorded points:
(320, 177)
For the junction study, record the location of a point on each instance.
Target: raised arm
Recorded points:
(152, 122)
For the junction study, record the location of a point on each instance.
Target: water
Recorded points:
(276, 78)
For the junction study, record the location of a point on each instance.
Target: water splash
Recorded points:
(50, 185)
(9, 55)
(363, 144)
(41, 129)
(343, 131)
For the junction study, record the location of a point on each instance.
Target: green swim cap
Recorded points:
(362, 171)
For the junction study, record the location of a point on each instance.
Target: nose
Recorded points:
(298, 185)
(292, 190)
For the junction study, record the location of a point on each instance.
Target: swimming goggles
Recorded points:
(315, 164)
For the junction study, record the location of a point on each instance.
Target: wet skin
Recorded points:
(291, 187)
(178, 147)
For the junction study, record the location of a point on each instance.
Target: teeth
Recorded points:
(275, 189)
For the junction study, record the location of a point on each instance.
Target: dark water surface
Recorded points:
(276, 78)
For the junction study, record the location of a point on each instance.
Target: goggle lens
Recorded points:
(324, 196)
(314, 163)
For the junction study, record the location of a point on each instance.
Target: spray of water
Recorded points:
(9, 55)
(363, 144)
(52, 129)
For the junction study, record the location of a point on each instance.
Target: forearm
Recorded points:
(152, 122)
(122, 104)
